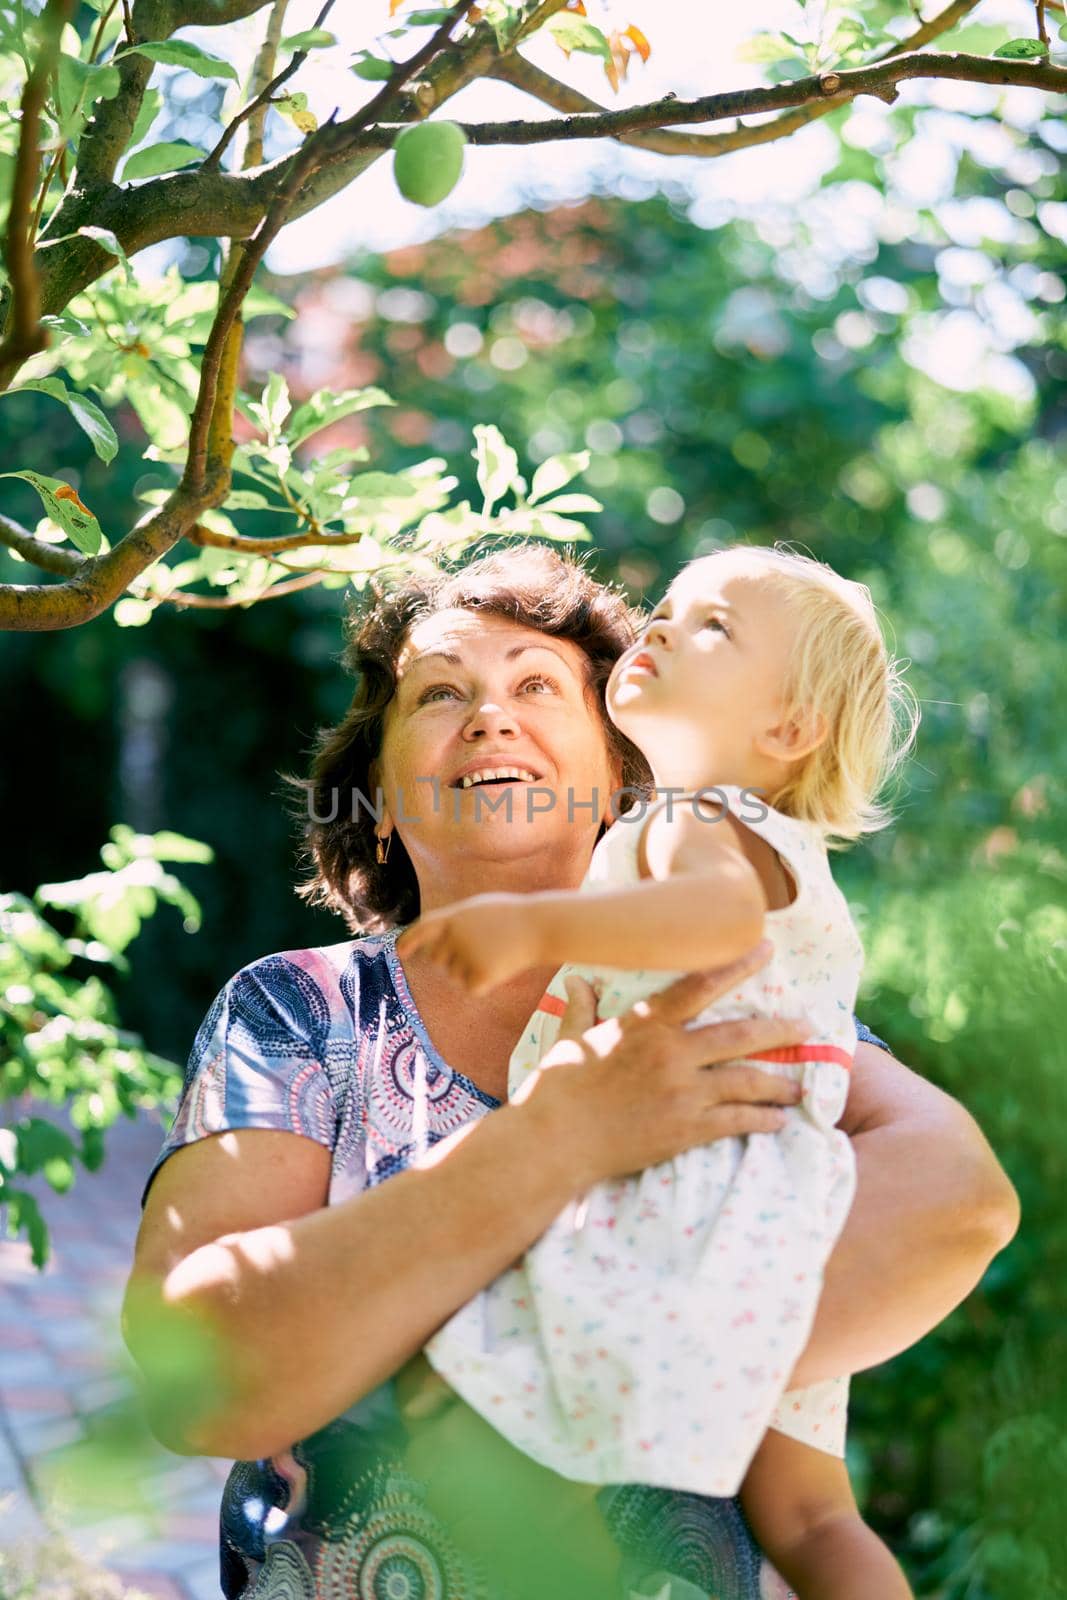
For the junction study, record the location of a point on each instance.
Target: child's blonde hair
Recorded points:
(841, 668)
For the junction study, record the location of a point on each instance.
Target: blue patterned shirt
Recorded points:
(327, 1043)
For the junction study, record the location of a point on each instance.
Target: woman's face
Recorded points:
(494, 759)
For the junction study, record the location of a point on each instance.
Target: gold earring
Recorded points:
(382, 849)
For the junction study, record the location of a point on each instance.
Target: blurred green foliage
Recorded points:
(876, 376)
(60, 1042)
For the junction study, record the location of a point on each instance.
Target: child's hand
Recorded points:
(480, 942)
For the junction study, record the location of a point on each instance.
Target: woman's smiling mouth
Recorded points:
(493, 773)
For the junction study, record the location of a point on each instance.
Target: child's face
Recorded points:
(701, 693)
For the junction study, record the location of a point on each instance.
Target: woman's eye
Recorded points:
(539, 681)
(428, 696)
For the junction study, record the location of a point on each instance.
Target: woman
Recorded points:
(270, 1234)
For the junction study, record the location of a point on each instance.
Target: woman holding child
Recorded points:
(319, 1074)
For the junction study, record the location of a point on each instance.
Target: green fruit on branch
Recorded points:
(428, 161)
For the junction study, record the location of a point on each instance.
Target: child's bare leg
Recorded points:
(802, 1511)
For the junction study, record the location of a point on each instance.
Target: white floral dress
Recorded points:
(649, 1334)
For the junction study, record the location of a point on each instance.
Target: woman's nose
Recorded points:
(490, 719)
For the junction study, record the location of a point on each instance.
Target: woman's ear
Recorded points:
(796, 736)
(384, 823)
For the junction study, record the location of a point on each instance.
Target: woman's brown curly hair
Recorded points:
(530, 584)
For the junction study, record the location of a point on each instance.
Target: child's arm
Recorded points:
(800, 1506)
(701, 905)
(700, 902)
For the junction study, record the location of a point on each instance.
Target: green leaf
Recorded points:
(67, 326)
(428, 161)
(377, 486)
(151, 102)
(276, 406)
(373, 68)
(497, 464)
(556, 471)
(77, 522)
(157, 158)
(325, 407)
(575, 33)
(107, 241)
(249, 500)
(169, 846)
(295, 107)
(24, 1216)
(180, 53)
(86, 413)
(80, 82)
(571, 502)
(40, 1142)
(431, 18)
(59, 1174)
(309, 39)
(258, 302)
(764, 47)
(165, 421)
(131, 613)
(1022, 50)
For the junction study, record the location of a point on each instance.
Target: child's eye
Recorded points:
(717, 622)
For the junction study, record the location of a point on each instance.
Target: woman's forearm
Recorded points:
(419, 1247)
(932, 1209)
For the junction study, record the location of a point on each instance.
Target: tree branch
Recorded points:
(100, 581)
(49, 557)
(106, 135)
(25, 336)
(522, 74)
(206, 479)
(878, 79)
(226, 205)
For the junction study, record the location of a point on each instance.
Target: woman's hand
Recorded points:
(624, 1094)
(480, 942)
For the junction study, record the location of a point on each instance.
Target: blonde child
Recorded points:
(650, 1334)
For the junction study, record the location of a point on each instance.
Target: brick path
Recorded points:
(62, 1367)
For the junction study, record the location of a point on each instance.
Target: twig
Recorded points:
(251, 254)
(404, 71)
(25, 336)
(264, 547)
(1042, 30)
(522, 74)
(57, 160)
(254, 151)
(317, 148)
(105, 18)
(287, 586)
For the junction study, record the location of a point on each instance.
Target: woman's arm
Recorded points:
(258, 1313)
(932, 1209)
